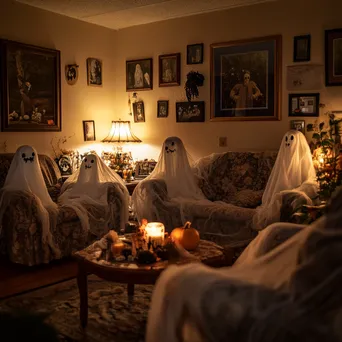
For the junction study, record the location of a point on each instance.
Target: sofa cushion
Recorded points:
(247, 198)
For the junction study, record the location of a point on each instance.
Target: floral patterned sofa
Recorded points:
(233, 182)
(21, 234)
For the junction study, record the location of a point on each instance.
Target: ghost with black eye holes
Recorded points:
(27, 157)
(88, 162)
(289, 140)
(170, 147)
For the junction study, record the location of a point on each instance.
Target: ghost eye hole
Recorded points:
(33, 154)
(86, 160)
(292, 137)
(166, 148)
(172, 143)
(23, 155)
(92, 161)
(286, 138)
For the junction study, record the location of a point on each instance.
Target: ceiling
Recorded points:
(118, 14)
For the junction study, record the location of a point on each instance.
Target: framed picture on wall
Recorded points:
(139, 111)
(246, 79)
(304, 104)
(194, 54)
(89, 130)
(162, 109)
(298, 125)
(333, 57)
(139, 74)
(301, 48)
(169, 70)
(30, 88)
(190, 111)
(94, 72)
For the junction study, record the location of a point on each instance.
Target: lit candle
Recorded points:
(155, 232)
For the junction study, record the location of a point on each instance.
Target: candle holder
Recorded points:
(155, 232)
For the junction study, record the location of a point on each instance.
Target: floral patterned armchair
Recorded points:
(21, 234)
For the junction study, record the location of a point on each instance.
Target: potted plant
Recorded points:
(194, 80)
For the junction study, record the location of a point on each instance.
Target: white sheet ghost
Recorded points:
(25, 175)
(294, 172)
(86, 192)
(174, 168)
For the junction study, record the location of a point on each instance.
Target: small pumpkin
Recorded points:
(187, 236)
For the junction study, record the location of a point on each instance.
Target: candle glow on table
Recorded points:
(155, 232)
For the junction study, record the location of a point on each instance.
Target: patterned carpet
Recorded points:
(112, 317)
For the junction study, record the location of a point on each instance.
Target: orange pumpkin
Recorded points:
(187, 236)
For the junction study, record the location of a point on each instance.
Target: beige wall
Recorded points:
(288, 18)
(77, 41)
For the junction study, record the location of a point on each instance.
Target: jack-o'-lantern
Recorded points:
(187, 236)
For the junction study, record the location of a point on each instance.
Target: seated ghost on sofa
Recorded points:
(25, 176)
(173, 169)
(293, 175)
(86, 191)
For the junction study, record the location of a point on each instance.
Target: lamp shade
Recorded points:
(121, 132)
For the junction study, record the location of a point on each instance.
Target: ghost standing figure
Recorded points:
(25, 175)
(86, 192)
(174, 169)
(293, 173)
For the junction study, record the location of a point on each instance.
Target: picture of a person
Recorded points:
(244, 93)
(138, 77)
(167, 72)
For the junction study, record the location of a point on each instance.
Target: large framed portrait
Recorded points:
(246, 79)
(30, 88)
(139, 74)
(333, 57)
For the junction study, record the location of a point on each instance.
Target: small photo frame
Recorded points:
(139, 74)
(194, 54)
(298, 125)
(302, 48)
(169, 70)
(304, 104)
(139, 111)
(162, 109)
(190, 111)
(94, 72)
(89, 130)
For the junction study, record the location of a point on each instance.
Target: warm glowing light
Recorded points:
(121, 132)
(155, 232)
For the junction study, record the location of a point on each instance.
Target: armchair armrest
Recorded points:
(291, 202)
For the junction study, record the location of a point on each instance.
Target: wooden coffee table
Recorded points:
(130, 273)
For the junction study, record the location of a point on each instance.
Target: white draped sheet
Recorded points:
(260, 298)
(25, 175)
(86, 192)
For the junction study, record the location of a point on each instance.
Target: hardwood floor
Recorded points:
(15, 279)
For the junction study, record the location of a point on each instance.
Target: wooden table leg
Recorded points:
(130, 290)
(82, 283)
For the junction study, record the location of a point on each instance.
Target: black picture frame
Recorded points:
(193, 111)
(94, 72)
(304, 105)
(169, 70)
(139, 74)
(89, 130)
(298, 125)
(162, 109)
(302, 48)
(333, 57)
(139, 111)
(253, 63)
(30, 88)
(194, 54)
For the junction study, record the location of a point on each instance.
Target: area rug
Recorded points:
(112, 316)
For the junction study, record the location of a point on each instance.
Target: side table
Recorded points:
(131, 185)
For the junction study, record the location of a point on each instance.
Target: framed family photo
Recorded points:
(169, 70)
(139, 74)
(89, 130)
(94, 72)
(162, 109)
(246, 79)
(298, 125)
(333, 57)
(190, 111)
(304, 104)
(30, 88)
(194, 54)
(139, 111)
(302, 48)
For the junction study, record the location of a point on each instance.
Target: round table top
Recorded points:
(95, 255)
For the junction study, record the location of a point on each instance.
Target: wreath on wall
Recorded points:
(194, 80)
